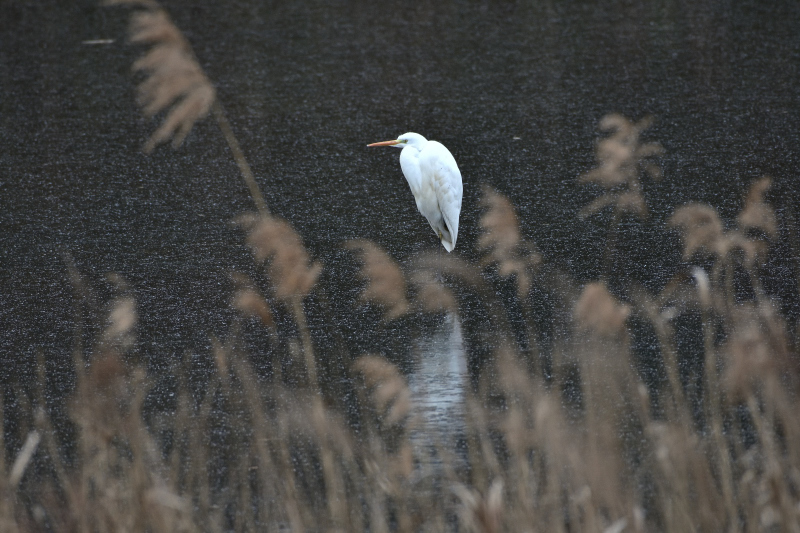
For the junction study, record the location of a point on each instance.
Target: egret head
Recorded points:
(406, 139)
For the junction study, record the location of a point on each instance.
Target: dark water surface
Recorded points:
(513, 89)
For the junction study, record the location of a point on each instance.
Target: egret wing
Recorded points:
(447, 185)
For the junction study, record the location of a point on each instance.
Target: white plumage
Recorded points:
(435, 182)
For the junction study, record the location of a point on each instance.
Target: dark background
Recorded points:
(308, 84)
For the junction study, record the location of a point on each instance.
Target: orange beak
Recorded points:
(385, 143)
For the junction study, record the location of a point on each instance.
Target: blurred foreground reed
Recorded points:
(564, 431)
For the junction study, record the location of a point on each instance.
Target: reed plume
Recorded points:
(249, 301)
(274, 241)
(174, 80)
(622, 157)
(121, 322)
(502, 242)
(597, 311)
(386, 388)
(701, 230)
(386, 283)
(431, 296)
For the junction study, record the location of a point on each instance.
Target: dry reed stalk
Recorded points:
(689, 497)
(386, 283)
(749, 368)
(660, 312)
(757, 356)
(304, 418)
(290, 270)
(333, 445)
(712, 400)
(390, 462)
(778, 507)
(262, 435)
(23, 458)
(502, 242)
(558, 472)
(610, 397)
(118, 487)
(295, 422)
(483, 457)
(524, 394)
(305, 338)
(622, 157)
(431, 295)
(115, 482)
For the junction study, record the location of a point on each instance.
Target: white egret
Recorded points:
(435, 182)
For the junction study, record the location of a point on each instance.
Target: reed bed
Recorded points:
(563, 432)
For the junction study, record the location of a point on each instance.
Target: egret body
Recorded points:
(435, 182)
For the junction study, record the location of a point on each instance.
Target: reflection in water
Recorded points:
(438, 383)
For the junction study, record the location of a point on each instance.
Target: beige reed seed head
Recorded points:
(597, 311)
(249, 301)
(173, 78)
(274, 241)
(701, 229)
(387, 388)
(120, 331)
(632, 202)
(615, 163)
(431, 294)
(622, 155)
(621, 159)
(386, 283)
